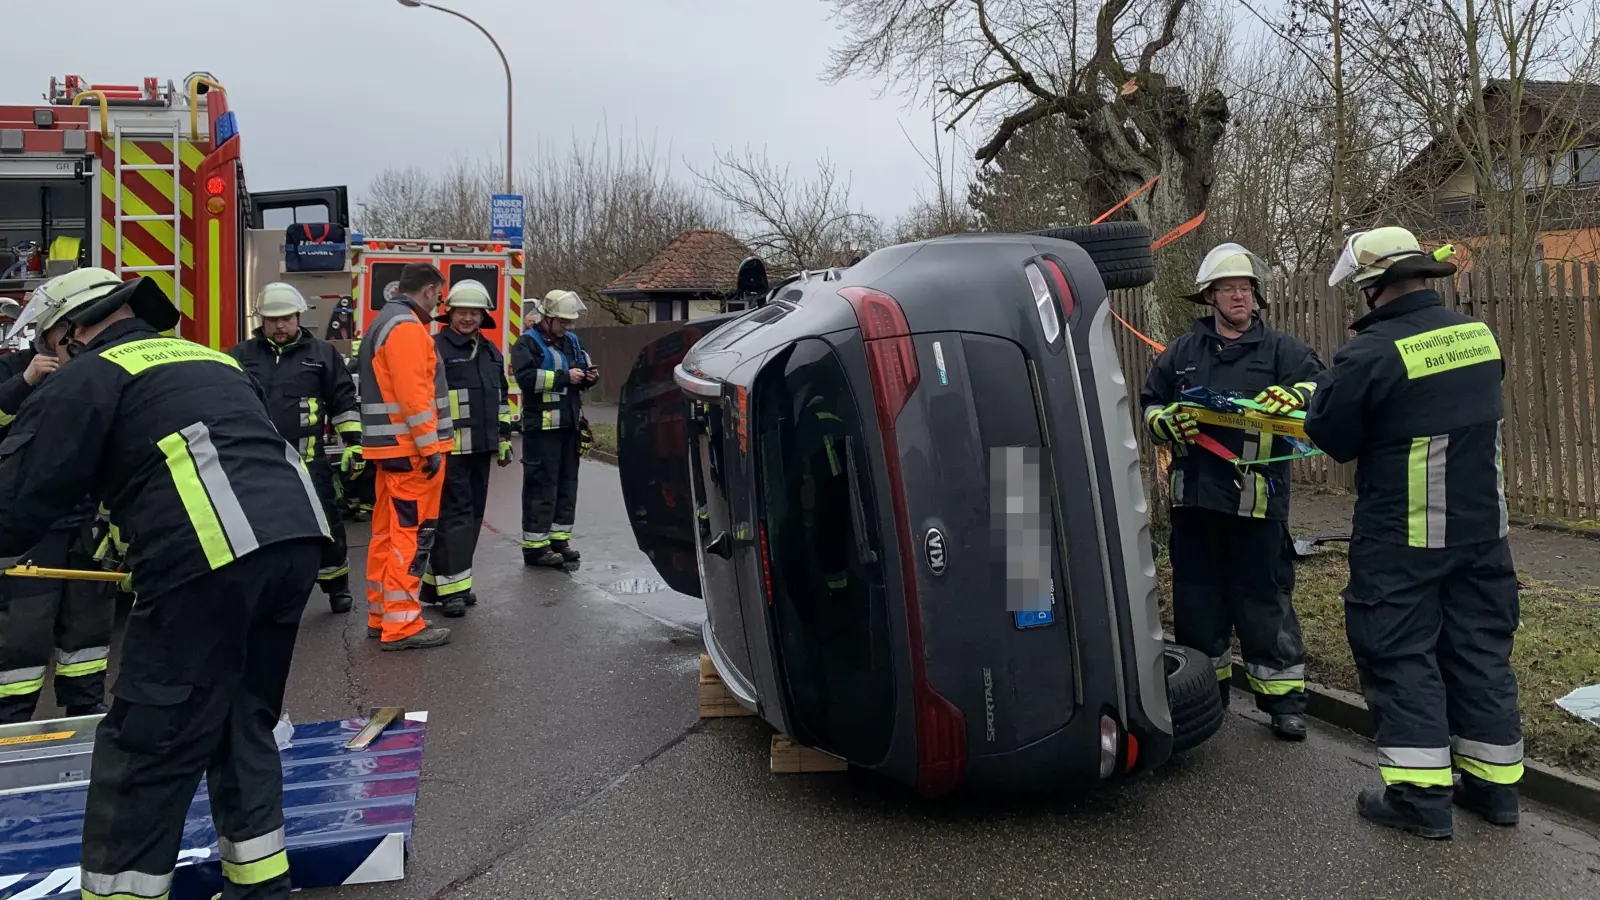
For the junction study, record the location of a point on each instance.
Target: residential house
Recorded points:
(693, 276)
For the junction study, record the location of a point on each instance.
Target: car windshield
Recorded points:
(826, 557)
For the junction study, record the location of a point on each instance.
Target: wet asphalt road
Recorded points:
(565, 759)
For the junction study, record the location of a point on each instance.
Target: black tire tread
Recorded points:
(1194, 700)
(1120, 251)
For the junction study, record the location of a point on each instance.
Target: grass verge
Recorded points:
(605, 438)
(1556, 651)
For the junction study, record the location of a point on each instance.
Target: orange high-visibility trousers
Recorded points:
(405, 518)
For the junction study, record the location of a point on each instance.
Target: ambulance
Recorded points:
(142, 179)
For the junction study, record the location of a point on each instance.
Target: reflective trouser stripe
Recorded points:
(125, 886)
(1494, 763)
(535, 539)
(343, 420)
(79, 663)
(1253, 492)
(1425, 491)
(560, 535)
(333, 572)
(20, 682)
(1223, 665)
(255, 860)
(1276, 682)
(214, 509)
(1424, 766)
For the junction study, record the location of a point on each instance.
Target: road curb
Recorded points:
(1590, 534)
(602, 456)
(1569, 792)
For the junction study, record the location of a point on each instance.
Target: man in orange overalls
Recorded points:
(406, 436)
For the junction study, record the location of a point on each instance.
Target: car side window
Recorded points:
(826, 557)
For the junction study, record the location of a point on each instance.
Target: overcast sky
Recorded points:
(332, 91)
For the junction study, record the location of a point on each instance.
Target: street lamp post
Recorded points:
(417, 3)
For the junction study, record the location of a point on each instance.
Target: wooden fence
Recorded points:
(1548, 330)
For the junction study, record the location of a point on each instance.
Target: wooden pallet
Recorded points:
(790, 757)
(716, 701)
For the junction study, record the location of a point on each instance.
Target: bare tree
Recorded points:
(793, 224)
(1020, 62)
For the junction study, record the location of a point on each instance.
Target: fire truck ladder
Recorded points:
(175, 219)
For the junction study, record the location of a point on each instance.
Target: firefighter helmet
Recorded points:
(1382, 256)
(9, 309)
(468, 294)
(1227, 261)
(559, 304)
(86, 296)
(280, 299)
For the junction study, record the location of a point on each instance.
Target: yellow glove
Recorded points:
(506, 453)
(352, 462)
(585, 438)
(1279, 400)
(1173, 423)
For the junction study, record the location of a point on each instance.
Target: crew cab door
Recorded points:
(653, 456)
(324, 204)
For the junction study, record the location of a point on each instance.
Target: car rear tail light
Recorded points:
(1044, 303)
(892, 368)
(1060, 278)
(766, 563)
(1108, 746)
(1133, 753)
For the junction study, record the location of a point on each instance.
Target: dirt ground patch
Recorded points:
(1557, 648)
(605, 437)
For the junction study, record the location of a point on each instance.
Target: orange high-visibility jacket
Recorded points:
(404, 399)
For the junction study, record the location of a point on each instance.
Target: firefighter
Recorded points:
(553, 369)
(1232, 560)
(475, 373)
(356, 480)
(224, 530)
(1431, 608)
(72, 618)
(405, 436)
(307, 389)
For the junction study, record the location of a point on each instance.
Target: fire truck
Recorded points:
(142, 179)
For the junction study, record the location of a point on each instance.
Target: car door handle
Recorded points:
(721, 545)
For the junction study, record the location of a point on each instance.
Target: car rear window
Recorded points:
(825, 552)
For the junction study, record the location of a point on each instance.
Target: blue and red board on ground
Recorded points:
(348, 817)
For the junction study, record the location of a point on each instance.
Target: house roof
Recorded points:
(1578, 99)
(698, 261)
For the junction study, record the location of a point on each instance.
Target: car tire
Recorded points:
(1193, 697)
(1120, 251)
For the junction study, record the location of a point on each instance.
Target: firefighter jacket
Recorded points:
(173, 439)
(307, 389)
(1415, 399)
(541, 363)
(475, 374)
(404, 403)
(14, 389)
(1249, 364)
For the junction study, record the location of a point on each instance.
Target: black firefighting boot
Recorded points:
(1495, 803)
(91, 709)
(1393, 808)
(1289, 727)
(470, 598)
(543, 556)
(454, 606)
(338, 591)
(567, 551)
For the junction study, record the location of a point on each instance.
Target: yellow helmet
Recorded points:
(280, 299)
(1384, 255)
(559, 304)
(86, 296)
(468, 294)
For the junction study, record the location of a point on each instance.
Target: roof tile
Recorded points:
(701, 260)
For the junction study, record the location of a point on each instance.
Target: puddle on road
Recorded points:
(636, 586)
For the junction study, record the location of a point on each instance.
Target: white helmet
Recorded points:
(468, 294)
(559, 304)
(1383, 255)
(9, 308)
(280, 299)
(86, 296)
(1227, 261)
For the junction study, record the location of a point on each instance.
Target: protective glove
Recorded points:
(1279, 400)
(432, 464)
(506, 453)
(585, 438)
(352, 462)
(1175, 423)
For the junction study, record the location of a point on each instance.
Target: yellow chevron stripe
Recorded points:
(133, 206)
(191, 157)
(159, 179)
(131, 255)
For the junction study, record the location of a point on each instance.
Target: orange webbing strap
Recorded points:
(1160, 348)
(1179, 232)
(1124, 202)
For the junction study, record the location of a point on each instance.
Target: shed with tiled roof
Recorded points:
(693, 275)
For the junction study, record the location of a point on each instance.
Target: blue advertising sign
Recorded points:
(505, 218)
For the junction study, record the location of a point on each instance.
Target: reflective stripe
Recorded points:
(1224, 671)
(258, 872)
(1414, 757)
(88, 654)
(214, 510)
(1490, 772)
(311, 490)
(416, 419)
(401, 618)
(465, 575)
(7, 418)
(560, 535)
(383, 430)
(333, 572)
(253, 849)
(1267, 673)
(20, 682)
(1177, 486)
(536, 535)
(1494, 763)
(1253, 483)
(563, 527)
(463, 442)
(347, 418)
(1421, 777)
(379, 409)
(1500, 480)
(459, 586)
(1277, 687)
(427, 439)
(1425, 482)
(129, 884)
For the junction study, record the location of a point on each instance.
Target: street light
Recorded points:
(418, 3)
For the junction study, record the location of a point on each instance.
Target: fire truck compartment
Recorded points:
(35, 211)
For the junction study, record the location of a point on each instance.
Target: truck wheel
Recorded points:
(1120, 250)
(1193, 697)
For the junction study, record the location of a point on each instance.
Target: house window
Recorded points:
(1561, 169)
(1586, 163)
(663, 311)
